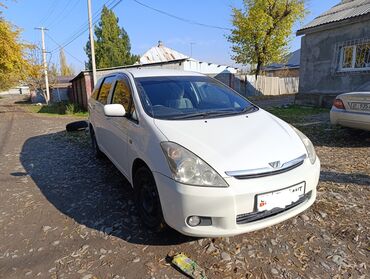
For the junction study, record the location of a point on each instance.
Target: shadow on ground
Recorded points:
(337, 177)
(92, 192)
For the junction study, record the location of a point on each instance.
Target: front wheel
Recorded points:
(147, 200)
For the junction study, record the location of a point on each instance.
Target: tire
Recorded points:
(76, 126)
(97, 152)
(147, 200)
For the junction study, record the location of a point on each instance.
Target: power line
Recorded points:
(61, 16)
(82, 28)
(59, 45)
(85, 27)
(50, 11)
(181, 18)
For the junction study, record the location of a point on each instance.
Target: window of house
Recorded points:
(355, 57)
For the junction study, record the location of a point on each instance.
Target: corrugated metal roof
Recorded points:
(344, 10)
(160, 53)
(293, 61)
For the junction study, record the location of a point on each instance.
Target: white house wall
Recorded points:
(207, 68)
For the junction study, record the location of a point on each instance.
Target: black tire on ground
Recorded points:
(147, 200)
(97, 152)
(76, 126)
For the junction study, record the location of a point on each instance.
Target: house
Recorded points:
(288, 69)
(158, 56)
(335, 53)
(60, 90)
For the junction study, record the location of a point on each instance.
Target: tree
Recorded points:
(13, 56)
(65, 69)
(35, 76)
(112, 43)
(262, 29)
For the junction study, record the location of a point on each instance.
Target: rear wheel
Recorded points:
(147, 200)
(97, 152)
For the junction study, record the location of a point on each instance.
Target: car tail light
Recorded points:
(338, 103)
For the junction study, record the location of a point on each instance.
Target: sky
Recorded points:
(66, 19)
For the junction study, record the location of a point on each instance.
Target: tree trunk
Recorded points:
(258, 69)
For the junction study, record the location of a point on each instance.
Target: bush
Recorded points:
(63, 108)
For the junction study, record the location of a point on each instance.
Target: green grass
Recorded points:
(58, 109)
(296, 113)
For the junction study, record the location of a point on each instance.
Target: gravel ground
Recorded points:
(64, 214)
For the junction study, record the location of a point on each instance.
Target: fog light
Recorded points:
(193, 221)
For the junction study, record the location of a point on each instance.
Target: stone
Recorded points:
(225, 256)
(323, 214)
(46, 228)
(338, 260)
(304, 217)
(211, 248)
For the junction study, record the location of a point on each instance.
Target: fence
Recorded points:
(247, 85)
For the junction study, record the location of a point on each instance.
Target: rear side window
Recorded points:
(104, 90)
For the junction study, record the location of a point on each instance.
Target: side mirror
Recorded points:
(114, 110)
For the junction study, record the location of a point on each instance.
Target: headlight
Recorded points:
(308, 144)
(188, 168)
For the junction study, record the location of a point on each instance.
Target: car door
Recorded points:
(100, 120)
(119, 126)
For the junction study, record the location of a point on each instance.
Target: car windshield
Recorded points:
(189, 97)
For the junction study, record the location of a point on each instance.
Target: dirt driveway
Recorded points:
(64, 214)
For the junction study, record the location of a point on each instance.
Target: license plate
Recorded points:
(280, 198)
(360, 106)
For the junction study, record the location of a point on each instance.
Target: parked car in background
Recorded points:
(352, 109)
(200, 157)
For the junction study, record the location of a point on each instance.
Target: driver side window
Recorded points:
(122, 93)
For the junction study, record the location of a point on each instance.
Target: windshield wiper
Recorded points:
(210, 114)
(250, 108)
(205, 114)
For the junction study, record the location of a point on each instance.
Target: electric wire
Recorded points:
(50, 12)
(85, 27)
(181, 18)
(59, 45)
(63, 14)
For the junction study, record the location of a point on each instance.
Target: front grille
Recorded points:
(256, 175)
(255, 216)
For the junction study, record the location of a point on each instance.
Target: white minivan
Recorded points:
(200, 157)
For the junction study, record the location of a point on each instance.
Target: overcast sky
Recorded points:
(66, 19)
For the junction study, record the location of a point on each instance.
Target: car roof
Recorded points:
(140, 72)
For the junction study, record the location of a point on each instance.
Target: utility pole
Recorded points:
(44, 63)
(92, 48)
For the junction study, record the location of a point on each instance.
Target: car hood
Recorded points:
(233, 143)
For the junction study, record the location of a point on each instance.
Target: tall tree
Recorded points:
(35, 76)
(262, 30)
(13, 56)
(65, 69)
(112, 44)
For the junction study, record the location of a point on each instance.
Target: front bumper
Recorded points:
(357, 120)
(226, 205)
